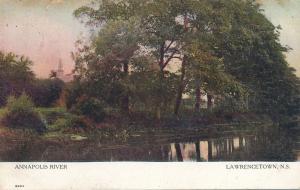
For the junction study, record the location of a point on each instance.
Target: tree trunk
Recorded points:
(178, 152)
(232, 145)
(198, 98)
(198, 154)
(226, 151)
(230, 141)
(158, 112)
(240, 142)
(181, 85)
(180, 88)
(209, 150)
(125, 104)
(160, 104)
(125, 98)
(209, 101)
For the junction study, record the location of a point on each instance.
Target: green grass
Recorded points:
(57, 118)
(47, 111)
(2, 112)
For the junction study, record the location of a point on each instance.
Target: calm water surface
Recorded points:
(279, 145)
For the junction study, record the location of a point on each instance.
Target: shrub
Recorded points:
(20, 113)
(45, 92)
(58, 119)
(72, 124)
(15, 75)
(75, 122)
(230, 105)
(59, 124)
(90, 107)
(2, 112)
(78, 122)
(53, 114)
(73, 91)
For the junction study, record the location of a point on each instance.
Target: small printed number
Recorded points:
(19, 186)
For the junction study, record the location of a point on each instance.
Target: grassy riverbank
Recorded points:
(130, 139)
(62, 125)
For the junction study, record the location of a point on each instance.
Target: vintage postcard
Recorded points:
(149, 94)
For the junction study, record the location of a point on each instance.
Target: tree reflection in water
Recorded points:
(261, 146)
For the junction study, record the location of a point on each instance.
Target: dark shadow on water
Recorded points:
(264, 145)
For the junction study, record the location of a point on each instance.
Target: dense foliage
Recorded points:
(153, 57)
(17, 77)
(20, 113)
(148, 54)
(90, 107)
(253, 54)
(45, 92)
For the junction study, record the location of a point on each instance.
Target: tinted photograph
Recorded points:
(149, 80)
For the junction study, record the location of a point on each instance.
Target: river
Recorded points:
(258, 145)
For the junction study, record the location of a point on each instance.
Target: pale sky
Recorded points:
(286, 13)
(45, 30)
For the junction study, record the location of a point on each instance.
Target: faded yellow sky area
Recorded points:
(286, 13)
(45, 30)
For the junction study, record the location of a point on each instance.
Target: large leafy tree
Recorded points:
(107, 61)
(45, 92)
(253, 54)
(224, 47)
(166, 30)
(15, 75)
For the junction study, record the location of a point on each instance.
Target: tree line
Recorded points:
(160, 57)
(146, 55)
(17, 77)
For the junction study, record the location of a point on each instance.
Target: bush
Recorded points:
(45, 92)
(230, 105)
(20, 113)
(72, 122)
(73, 91)
(53, 114)
(59, 124)
(90, 107)
(15, 75)
(58, 119)
(78, 122)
